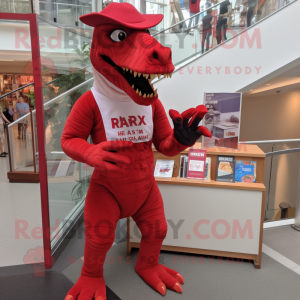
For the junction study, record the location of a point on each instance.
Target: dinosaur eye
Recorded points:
(147, 31)
(118, 35)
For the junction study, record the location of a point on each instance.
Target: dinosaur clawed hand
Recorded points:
(88, 288)
(186, 125)
(160, 278)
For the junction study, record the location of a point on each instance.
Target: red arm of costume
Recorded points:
(78, 127)
(163, 135)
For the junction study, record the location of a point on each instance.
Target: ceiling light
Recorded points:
(7, 59)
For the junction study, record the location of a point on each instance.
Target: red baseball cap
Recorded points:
(123, 14)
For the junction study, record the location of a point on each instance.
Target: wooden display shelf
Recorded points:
(245, 152)
(213, 183)
(243, 201)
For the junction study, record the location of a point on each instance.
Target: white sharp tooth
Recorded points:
(146, 76)
(139, 74)
(170, 74)
(134, 74)
(165, 76)
(144, 96)
(126, 69)
(140, 93)
(155, 93)
(152, 76)
(151, 95)
(137, 91)
(132, 86)
(158, 75)
(123, 69)
(148, 96)
(130, 71)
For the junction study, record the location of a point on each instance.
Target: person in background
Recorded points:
(23, 109)
(225, 12)
(207, 22)
(194, 9)
(3, 120)
(251, 8)
(8, 112)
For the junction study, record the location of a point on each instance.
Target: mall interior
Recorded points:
(233, 239)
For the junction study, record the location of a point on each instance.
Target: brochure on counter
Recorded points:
(225, 169)
(196, 164)
(245, 171)
(164, 168)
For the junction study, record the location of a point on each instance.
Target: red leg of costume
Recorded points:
(101, 214)
(150, 219)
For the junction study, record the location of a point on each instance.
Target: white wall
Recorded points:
(279, 47)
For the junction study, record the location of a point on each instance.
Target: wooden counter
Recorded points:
(237, 206)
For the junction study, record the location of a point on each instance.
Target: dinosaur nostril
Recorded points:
(155, 56)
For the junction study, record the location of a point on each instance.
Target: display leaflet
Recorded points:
(164, 168)
(245, 171)
(225, 169)
(207, 168)
(196, 164)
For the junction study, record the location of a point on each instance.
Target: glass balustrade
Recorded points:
(68, 64)
(67, 14)
(16, 6)
(68, 180)
(281, 179)
(21, 145)
(204, 31)
(65, 59)
(66, 75)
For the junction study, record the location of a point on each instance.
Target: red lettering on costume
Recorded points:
(114, 122)
(142, 122)
(123, 122)
(132, 120)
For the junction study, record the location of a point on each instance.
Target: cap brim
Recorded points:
(96, 19)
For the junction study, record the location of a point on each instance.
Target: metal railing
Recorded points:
(296, 225)
(23, 87)
(54, 99)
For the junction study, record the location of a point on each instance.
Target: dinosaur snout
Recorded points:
(163, 55)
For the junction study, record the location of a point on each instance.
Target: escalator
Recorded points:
(248, 58)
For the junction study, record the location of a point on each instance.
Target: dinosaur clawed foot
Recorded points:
(88, 288)
(160, 278)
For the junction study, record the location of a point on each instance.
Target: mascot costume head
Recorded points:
(124, 117)
(125, 53)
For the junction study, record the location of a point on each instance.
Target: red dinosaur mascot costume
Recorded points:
(124, 116)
